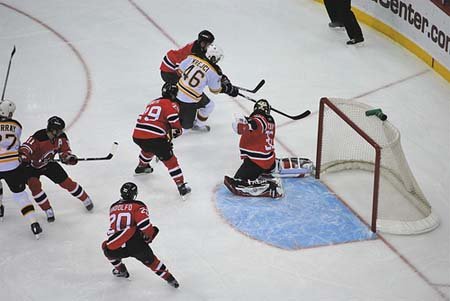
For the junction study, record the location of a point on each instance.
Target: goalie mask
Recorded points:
(128, 191)
(55, 126)
(7, 109)
(169, 91)
(214, 53)
(262, 105)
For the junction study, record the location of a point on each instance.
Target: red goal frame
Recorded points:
(325, 102)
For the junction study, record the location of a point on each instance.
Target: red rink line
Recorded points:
(406, 261)
(74, 50)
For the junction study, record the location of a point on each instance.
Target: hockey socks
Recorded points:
(174, 170)
(77, 191)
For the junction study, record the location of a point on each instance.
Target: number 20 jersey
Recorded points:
(196, 74)
(10, 131)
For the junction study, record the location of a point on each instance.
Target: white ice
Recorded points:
(289, 44)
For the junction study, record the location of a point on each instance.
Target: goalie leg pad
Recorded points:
(258, 188)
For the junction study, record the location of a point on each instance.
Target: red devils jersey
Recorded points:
(257, 142)
(127, 217)
(159, 117)
(174, 57)
(39, 149)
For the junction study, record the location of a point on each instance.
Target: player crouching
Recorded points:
(37, 155)
(129, 234)
(258, 152)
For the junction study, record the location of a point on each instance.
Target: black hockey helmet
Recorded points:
(205, 36)
(128, 191)
(55, 126)
(169, 90)
(262, 105)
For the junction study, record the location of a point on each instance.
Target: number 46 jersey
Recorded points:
(159, 117)
(10, 131)
(196, 74)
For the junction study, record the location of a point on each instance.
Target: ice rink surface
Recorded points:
(96, 64)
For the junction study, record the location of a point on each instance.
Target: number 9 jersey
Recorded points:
(10, 131)
(196, 74)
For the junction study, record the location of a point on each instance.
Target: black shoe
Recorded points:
(121, 271)
(173, 282)
(355, 41)
(36, 229)
(143, 169)
(335, 25)
(183, 189)
(2, 211)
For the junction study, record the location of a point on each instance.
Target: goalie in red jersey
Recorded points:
(258, 152)
(175, 56)
(37, 155)
(129, 234)
(154, 131)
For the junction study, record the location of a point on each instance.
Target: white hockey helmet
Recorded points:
(7, 108)
(214, 53)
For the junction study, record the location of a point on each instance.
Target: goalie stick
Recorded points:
(107, 157)
(7, 73)
(258, 86)
(295, 117)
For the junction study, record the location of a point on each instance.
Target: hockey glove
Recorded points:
(176, 133)
(70, 159)
(150, 239)
(24, 160)
(230, 90)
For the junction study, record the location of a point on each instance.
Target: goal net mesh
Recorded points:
(402, 206)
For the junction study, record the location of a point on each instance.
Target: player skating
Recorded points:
(154, 131)
(38, 154)
(10, 168)
(258, 152)
(129, 234)
(175, 56)
(197, 73)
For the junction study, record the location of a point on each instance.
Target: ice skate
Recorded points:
(50, 215)
(2, 212)
(36, 229)
(143, 169)
(88, 204)
(336, 25)
(200, 127)
(173, 282)
(121, 271)
(355, 41)
(184, 190)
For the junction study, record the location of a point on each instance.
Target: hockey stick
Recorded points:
(7, 72)
(108, 157)
(295, 117)
(258, 86)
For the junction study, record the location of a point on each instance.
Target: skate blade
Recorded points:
(37, 236)
(185, 197)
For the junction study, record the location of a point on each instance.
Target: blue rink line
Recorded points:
(309, 215)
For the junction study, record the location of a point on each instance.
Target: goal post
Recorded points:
(349, 140)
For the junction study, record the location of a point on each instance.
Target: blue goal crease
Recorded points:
(309, 215)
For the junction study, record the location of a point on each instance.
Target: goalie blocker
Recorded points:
(270, 185)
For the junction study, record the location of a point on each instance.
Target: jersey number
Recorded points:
(120, 221)
(196, 77)
(9, 136)
(152, 113)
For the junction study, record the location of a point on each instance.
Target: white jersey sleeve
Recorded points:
(196, 75)
(10, 132)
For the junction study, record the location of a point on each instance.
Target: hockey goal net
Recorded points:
(351, 142)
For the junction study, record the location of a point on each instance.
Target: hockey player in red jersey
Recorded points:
(38, 153)
(154, 131)
(175, 56)
(129, 234)
(11, 171)
(258, 152)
